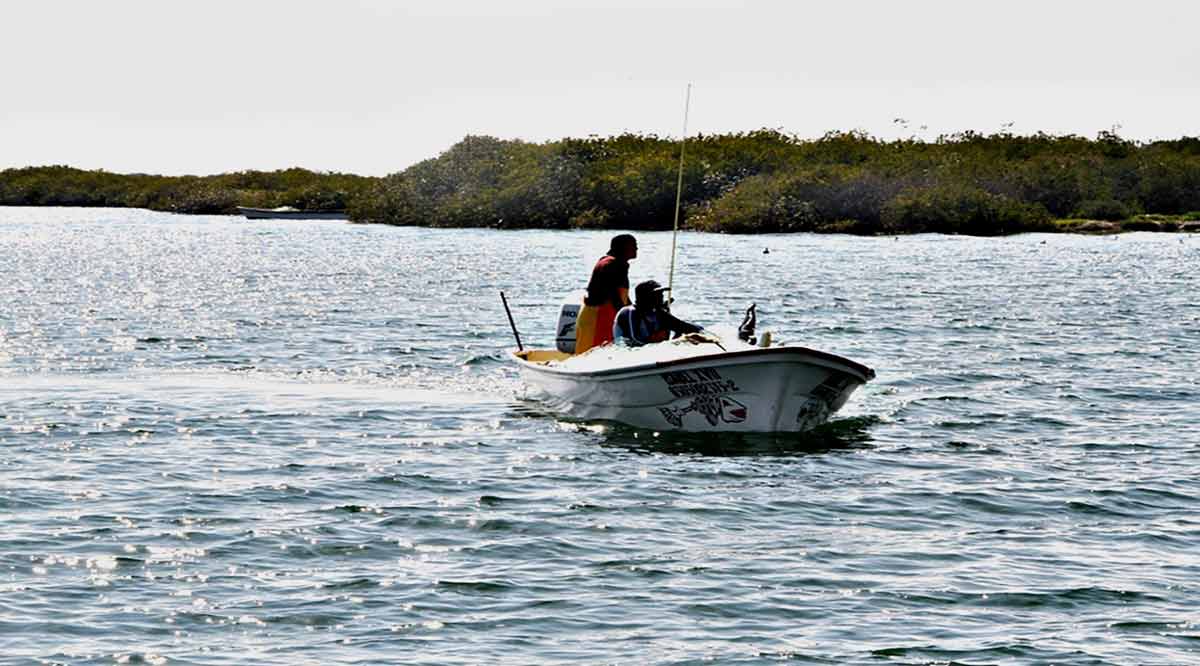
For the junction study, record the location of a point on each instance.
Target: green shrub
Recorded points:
(592, 218)
(804, 200)
(1142, 224)
(961, 209)
(1104, 209)
(1169, 182)
(744, 182)
(762, 203)
(1060, 183)
(856, 227)
(65, 186)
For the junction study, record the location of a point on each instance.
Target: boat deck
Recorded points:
(542, 355)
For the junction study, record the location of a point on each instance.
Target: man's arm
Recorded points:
(678, 326)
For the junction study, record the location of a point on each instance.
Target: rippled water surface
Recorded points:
(232, 442)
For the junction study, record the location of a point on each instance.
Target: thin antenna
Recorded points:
(678, 192)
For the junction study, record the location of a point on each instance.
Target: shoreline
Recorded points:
(1182, 224)
(763, 181)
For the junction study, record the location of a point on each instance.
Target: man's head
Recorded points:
(623, 246)
(648, 295)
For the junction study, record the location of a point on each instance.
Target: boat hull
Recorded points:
(786, 389)
(268, 214)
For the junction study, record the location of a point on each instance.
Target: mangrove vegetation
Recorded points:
(762, 181)
(217, 195)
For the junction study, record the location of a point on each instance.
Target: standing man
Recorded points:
(607, 292)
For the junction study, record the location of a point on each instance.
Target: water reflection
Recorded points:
(837, 434)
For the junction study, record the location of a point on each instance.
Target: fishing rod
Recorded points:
(678, 192)
(511, 322)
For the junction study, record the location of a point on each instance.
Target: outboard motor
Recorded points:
(568, 313)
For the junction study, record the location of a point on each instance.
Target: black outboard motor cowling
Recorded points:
(746, 330)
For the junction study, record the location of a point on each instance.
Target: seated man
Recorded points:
(647, 320)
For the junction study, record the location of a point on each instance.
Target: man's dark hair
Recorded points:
(620, 242)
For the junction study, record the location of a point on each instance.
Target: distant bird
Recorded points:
(766, 250)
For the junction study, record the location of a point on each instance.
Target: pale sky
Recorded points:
(373, 86)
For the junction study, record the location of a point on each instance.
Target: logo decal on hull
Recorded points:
(817, 408)
(715, 408)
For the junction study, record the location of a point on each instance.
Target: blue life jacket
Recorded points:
(636, 327)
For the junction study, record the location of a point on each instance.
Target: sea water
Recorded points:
(234, 442)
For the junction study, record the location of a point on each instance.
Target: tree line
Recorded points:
(215, 195)
(750, 182)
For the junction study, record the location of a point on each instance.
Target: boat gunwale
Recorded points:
(865, 372)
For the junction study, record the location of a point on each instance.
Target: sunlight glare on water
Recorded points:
(230, 442)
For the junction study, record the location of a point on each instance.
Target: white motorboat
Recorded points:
(290, 213)
(698, 383)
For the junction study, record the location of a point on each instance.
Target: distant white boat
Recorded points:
(289, 213)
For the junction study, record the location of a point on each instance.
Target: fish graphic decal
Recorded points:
(715, 408)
